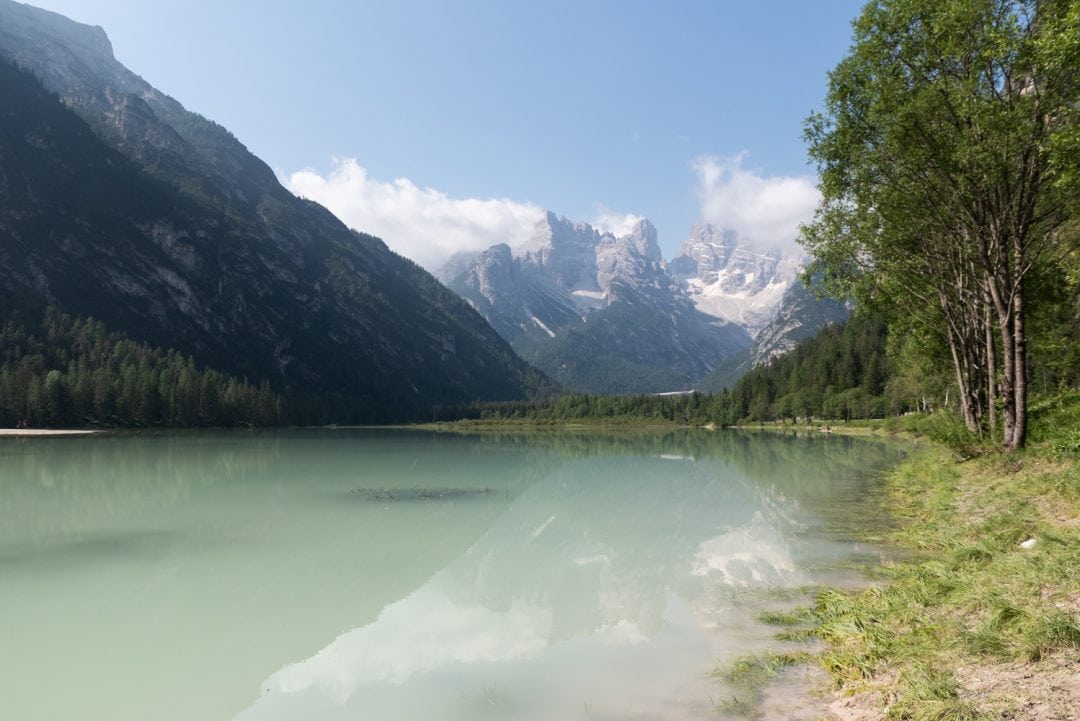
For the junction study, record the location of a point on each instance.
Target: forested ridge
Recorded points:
(163, 227)
(63, 371)
(841, 373)
(848, 371)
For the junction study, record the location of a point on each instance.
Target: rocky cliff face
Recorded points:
(76, 62)
(598, 312)
(116, 202)
(800, 315)
(759, 289)
(732, 279)
(605, 313)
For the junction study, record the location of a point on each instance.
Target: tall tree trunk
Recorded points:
(1006, 322)
(1020, 390)
(991, 365)
(966, 410)
(959, 348)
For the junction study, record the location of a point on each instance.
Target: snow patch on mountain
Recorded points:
(539, 294)
(543, 327)
(730, 278)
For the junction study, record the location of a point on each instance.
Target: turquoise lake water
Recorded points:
(402, 575)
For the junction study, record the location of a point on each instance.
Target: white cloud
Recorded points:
(423, 224)
(618, 224)
(765, 211)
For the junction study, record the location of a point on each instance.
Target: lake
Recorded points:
(387, 575)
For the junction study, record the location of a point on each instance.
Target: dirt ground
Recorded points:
(1048, 690)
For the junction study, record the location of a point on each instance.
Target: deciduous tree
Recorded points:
(947, 168)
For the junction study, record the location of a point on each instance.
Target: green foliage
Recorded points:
(1054, 321)
(1067, 446)
(949, 179)
(1057, 424)
(949, 430)
(749, 675)
(68, 372)
(974, 595)
(842, 374)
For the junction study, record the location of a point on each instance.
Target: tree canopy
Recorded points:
(948, 165)
(62, 371)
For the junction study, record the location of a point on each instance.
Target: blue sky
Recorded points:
(590, 108)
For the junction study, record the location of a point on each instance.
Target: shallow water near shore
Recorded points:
(367, 574)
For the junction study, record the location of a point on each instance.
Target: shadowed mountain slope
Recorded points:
(117, 203)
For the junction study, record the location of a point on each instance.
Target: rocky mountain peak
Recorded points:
(72, 59)
(491, 273)
(76, 62)
(642, 240)
(561, 250)
(596, 309)
(730, 277)
(707, 249)
(25, 20)
(631, 261)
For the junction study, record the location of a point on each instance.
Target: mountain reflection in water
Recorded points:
(405, 575)
(593, 594)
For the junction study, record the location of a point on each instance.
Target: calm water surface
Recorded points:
(389, 575)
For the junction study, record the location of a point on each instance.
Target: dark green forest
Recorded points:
(841, 373)
(62, 371)
(848, 371)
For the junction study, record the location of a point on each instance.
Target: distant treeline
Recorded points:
(64, 371)
(842, 373)
(61, 371)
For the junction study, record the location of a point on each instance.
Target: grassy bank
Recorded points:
(985, 622)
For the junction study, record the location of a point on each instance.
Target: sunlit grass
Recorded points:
(996, 581)
(748, 675)
(929, 693)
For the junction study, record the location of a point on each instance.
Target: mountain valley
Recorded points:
(604, 313)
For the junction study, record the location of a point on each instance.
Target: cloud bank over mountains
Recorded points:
(618, 224)
(423, 224)
(428, 226)
(765, 211)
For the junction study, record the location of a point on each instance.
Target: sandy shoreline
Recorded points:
(30, 432)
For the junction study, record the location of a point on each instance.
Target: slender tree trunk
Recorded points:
(961, 365)
(991, 366)
(1020, 390)
(1008, 397)
(962, 386)
(1005, 319)
(976, 371)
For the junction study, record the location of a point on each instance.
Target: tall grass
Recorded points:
(748, 676)
(975, 596)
